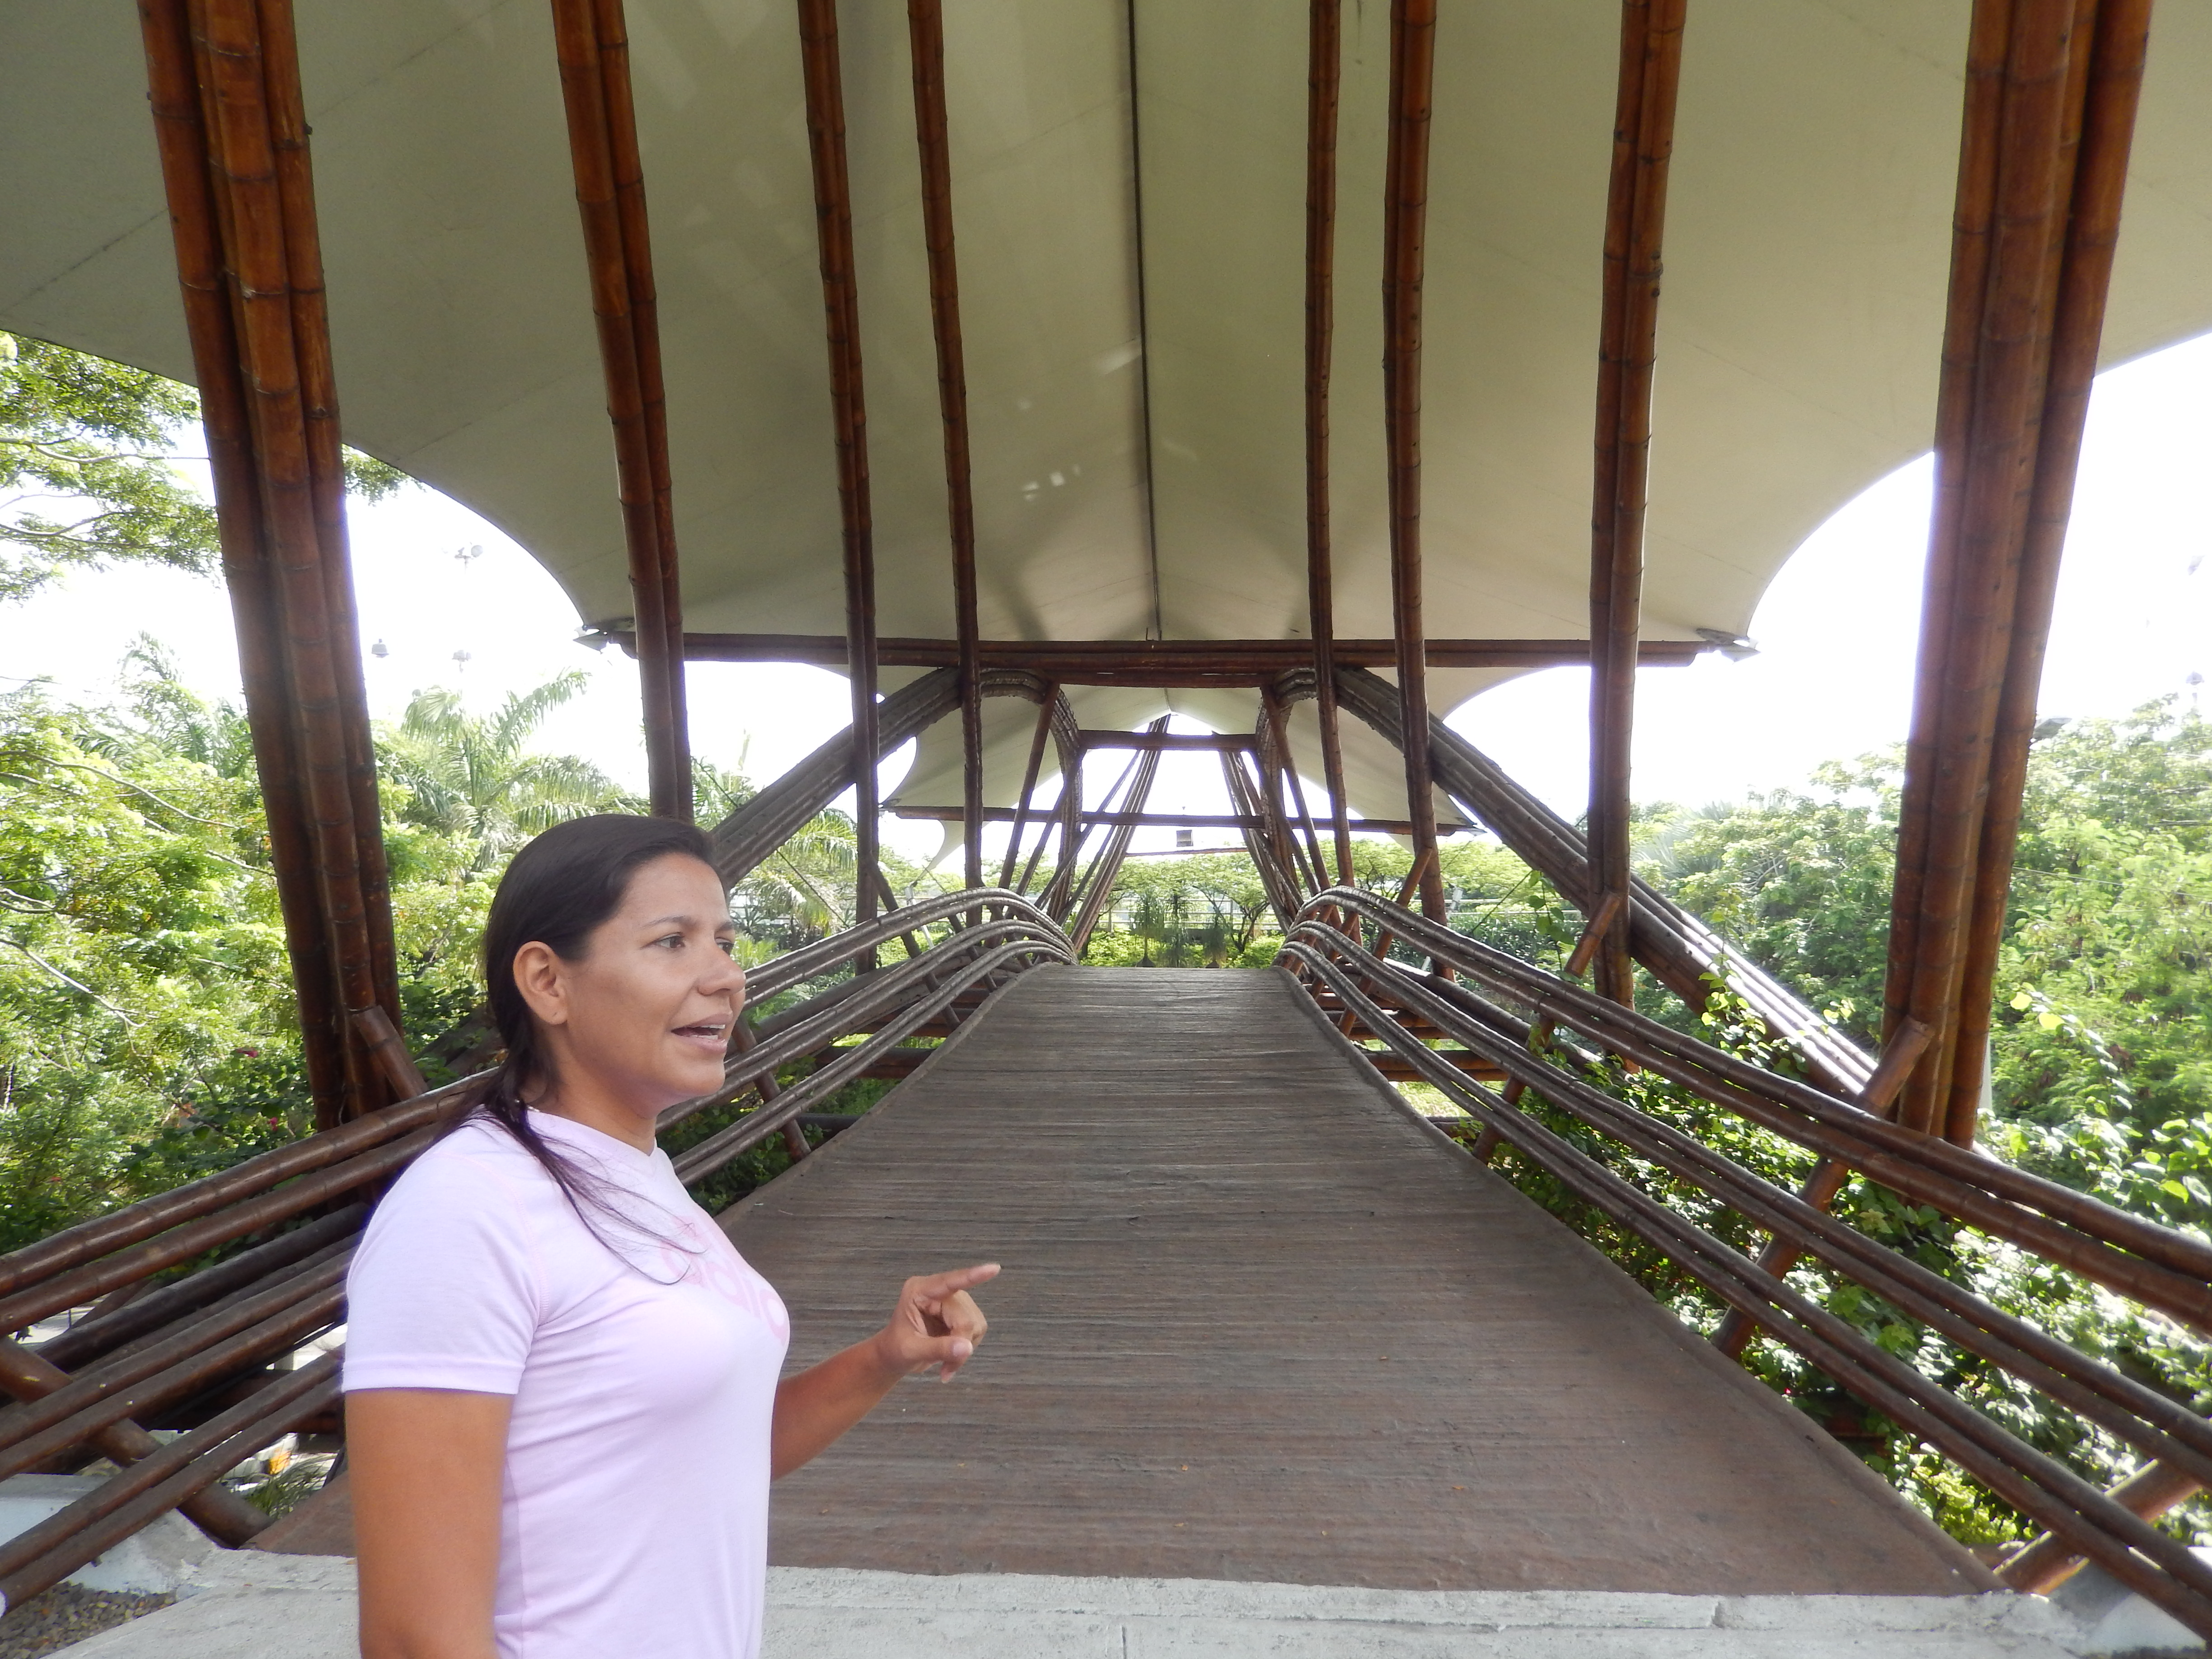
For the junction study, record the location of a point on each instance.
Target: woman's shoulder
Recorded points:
(478, 1168)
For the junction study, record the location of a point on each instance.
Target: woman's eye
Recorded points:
(671, 942)
(729, 946)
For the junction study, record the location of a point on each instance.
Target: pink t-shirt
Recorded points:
(635, 1519)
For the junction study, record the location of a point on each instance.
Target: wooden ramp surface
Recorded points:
(1257, 1322)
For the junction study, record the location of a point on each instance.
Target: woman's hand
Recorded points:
(936, 1322)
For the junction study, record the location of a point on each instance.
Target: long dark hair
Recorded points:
(555, 892)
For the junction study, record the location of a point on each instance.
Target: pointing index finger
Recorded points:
(936, 1287)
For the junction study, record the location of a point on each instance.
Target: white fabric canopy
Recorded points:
(1133, 284)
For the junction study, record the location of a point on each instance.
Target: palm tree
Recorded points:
(804, 890)
(474, 776)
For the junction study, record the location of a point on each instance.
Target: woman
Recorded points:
(562, 1406)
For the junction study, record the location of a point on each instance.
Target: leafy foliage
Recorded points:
(2100, 1070)
(474, 778)
(89, 477)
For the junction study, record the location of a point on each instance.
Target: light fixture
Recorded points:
(1735, 647)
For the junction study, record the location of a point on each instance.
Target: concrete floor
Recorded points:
(249, 1605)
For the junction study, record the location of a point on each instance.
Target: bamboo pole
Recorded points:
(1899, 1056)
(1029, 788)
(2042, 163)
(833, 217)
(1066, 891)
(926, 25)
(222, 1515)
(1267, 749)
(1070, 812)
(326, 457)
(1324, 73)
(1245, 799)
(2114, 86)
(1412, 66)
(645, 326)
(1160, 662)
(1098, 887)
(195, 224)
(2149, 1492)
(234, 86)
(594, 60)
(754, 831)
(1279, 720)
(223, 84)
(1636, 206)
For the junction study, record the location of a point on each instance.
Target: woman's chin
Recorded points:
(690, 1082)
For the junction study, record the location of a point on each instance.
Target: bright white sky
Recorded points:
(1837, 633)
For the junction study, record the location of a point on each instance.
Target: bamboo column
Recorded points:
(1635, 210)
(833, 217)
(1412, 71)
(1278, 717)
(1324, 74)
(1060, 718)
(1098, 885)
(926, 25)
(1029, 785)
(593, 49)
(2051, 96)
(223, 83)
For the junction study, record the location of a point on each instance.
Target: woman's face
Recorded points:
(645, 1015)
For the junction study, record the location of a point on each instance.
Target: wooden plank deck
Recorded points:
(1258, 1323)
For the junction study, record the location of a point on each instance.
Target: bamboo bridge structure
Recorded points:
(1091, 431)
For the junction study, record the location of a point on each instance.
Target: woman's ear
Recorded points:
(544, 987)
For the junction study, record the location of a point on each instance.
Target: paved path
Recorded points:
(251, 1606)
(1258, 1323)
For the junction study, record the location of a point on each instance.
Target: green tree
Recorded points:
(142, 959)
(89, 477)
(476, 778)
(2101, 1050)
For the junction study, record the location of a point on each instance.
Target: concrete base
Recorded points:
(2113, 1619)
(149, 1562)
(248, 1605)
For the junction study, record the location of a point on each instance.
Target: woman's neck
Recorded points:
(599, 1107)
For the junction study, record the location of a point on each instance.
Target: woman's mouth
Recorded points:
(704, 1032)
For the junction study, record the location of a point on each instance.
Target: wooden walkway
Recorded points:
(1257, 1322)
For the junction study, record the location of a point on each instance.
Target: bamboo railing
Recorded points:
(199, 1350)
(1551, 1039)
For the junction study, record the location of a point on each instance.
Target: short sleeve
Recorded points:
(443, 1291)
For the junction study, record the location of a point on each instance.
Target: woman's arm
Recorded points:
(936, 1323)
(424, 1467)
